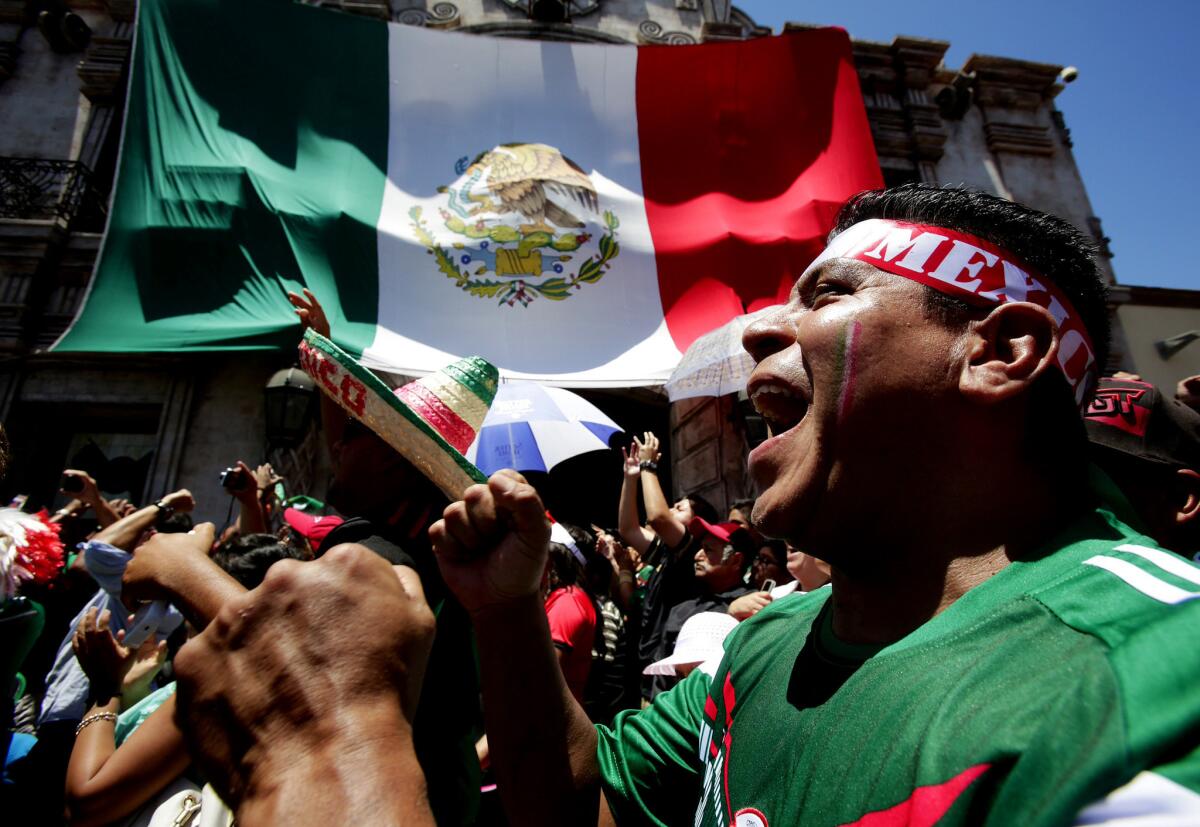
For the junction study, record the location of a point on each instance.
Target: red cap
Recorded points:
(722, 531)
(313, 528)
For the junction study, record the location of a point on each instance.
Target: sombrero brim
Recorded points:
(399, 426)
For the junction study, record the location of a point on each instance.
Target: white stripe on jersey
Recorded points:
(1166, 561)
(1142, 580)
(1149, 800)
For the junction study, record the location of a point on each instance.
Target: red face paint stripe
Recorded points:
(434, 411)
(926, 805)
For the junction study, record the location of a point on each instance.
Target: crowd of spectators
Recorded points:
(392, 657)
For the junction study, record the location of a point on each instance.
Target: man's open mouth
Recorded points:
(781, 407)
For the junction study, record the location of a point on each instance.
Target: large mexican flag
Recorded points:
(576, 213)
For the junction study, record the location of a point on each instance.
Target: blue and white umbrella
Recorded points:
(533, 427)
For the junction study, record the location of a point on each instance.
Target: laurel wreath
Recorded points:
(519, 291)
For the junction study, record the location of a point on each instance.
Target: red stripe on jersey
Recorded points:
(925, 806)
(744, 167)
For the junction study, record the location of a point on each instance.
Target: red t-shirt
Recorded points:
(573, 629)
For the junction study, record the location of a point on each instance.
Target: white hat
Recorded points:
(701, 639)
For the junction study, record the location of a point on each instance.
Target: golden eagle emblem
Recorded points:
(514, 226)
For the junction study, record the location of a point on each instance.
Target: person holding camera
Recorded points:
(86, 494)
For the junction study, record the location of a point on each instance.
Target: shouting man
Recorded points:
(996, 648)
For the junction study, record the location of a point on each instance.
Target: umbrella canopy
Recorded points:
(533, 427)
(715, 364)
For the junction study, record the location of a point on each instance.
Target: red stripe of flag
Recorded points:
(747, 151)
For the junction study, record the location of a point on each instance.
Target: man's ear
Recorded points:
(1014, 345)
(1187, 496)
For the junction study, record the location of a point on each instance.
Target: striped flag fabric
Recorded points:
(574, 213)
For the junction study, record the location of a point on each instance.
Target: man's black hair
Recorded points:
(1046, 243)
(743, 543)
(745, 505)
(778, 547)
(248, 557)
(702, 508)
(565, 569)
(177, 522)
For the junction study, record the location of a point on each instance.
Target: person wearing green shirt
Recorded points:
(999, 644)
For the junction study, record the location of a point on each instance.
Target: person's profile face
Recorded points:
(683, 510)
(846, 374)
(767, 566)
(367, 472)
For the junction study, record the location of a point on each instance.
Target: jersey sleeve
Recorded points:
(649, 759)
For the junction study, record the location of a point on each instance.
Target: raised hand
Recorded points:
(491, 545)
(181, 500)
(158, 565)
(101, 656)
(321, 663)
(648, 447)
(629, 456)
(265, 477)
(89, 493)
(310, 312)
(142, 665)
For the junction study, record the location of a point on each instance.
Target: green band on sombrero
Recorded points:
(430, 422)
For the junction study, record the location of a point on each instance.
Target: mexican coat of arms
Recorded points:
(521, 222)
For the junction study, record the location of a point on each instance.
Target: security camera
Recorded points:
(1069, 74)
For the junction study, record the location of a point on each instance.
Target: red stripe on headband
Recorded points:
(972, 269)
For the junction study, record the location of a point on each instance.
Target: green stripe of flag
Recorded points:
(254, 161)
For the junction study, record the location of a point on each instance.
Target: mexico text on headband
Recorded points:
(974, 270)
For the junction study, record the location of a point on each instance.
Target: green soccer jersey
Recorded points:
(1060, 684)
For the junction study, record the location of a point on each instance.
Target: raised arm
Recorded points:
(628, 525)
(662, 519)
(89, 494)
(311, 314)
(125, 531)
(104, 782)
(177, 568)
(298, 717)
(491, 548)
(624, 574)
(251, 519)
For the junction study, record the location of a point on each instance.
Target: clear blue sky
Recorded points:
(1134, 112)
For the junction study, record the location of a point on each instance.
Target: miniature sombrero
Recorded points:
(430, 421)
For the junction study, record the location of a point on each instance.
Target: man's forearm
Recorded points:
(543, 747)
(628, 525)
(199, 588)
(658, 511)
(365, 772)
(125, 531)
(104, 512)
(250, 516)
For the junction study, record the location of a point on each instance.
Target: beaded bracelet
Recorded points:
(91, 719)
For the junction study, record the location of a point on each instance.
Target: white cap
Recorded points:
(701, 639)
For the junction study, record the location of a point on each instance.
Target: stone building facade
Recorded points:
(165, 421)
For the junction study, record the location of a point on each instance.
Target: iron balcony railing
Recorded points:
(46, 189)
